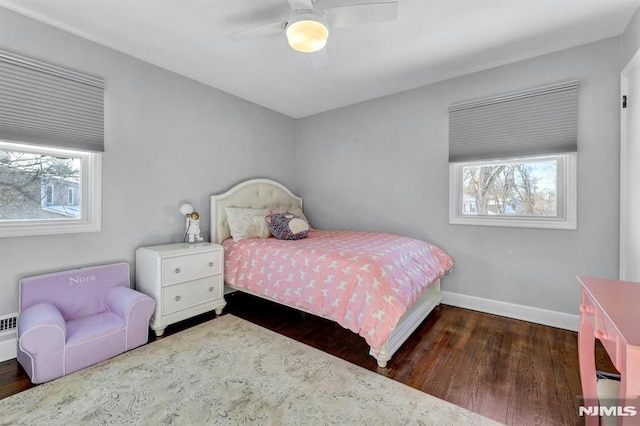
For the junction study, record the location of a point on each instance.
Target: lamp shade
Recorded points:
(186, 209)
(307, 32)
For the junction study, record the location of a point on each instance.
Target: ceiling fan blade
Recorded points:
(258, 14)
(262, 30)
(319, 59)
(363, 13)
(301, 4)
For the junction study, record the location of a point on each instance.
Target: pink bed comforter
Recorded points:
(364, 281)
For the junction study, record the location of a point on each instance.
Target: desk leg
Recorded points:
(586, 358)
(630, 384)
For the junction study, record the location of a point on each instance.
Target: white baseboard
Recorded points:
(8, 348)
(511, 310)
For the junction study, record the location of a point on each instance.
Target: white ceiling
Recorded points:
(431, 40)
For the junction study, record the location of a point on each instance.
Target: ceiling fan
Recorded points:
(307, 26)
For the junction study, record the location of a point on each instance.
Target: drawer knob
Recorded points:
(210, 263)
(177, 270)
(599, 334)
(210, 288)
(587, 309)
(177, 298)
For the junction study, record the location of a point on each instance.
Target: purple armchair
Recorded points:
(73, 319)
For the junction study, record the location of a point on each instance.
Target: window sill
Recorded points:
(515, 222)
(44, 228)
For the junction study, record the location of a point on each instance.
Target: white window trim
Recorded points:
(91, 190)
(567, 200)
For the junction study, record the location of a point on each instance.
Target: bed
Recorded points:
(379, 285)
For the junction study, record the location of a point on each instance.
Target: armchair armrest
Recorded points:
(40, 315)
(42, 330)
(136, 309)
(122, 300)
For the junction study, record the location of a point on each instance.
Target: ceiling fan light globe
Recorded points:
(307, 34)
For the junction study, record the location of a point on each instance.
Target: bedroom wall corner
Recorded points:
(631, 39)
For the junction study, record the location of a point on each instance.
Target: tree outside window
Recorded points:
(38, 186)
(528, 192)
(523, 188)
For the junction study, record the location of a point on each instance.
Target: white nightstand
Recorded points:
(184, 279)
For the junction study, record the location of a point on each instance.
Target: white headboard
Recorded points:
(253, 193)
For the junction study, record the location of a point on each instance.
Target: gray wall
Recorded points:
(169, 140)
(382, 165)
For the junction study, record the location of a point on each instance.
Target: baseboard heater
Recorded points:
(8, 324)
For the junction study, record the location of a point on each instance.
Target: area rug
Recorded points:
(232, 372)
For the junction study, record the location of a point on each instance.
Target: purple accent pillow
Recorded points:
(297, 211)
(286, 226)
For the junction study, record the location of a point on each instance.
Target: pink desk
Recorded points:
(610, 312)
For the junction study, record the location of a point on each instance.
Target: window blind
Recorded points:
(533, 122)
(43, 104)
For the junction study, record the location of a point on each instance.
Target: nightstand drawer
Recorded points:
(186, 295)
(186, 268)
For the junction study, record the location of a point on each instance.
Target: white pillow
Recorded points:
(247, 223)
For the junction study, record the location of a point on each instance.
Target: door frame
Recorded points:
(624, 141)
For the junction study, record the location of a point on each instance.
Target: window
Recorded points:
(38, 189)
(10, 197)
(71, 196)
(51, 144)
(512, 159)
(524, 192)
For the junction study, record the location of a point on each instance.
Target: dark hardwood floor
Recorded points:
(511, 371)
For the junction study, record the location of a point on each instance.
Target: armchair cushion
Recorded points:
(83, 330)
(70, 320)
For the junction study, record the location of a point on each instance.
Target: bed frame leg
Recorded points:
(381, 355)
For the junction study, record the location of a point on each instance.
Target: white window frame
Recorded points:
(91, 201)
(566, 190)
(71, 196)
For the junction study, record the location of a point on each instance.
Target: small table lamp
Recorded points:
(192, 224)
